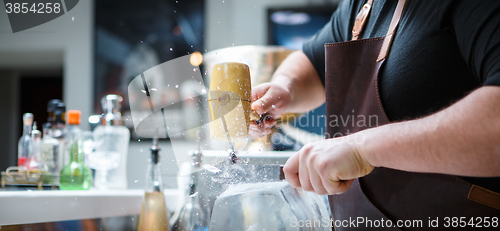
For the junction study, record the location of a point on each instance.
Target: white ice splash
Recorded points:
(211, 168)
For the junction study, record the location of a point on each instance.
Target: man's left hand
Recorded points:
(327, 167)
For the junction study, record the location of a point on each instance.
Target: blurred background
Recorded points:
(98, 47)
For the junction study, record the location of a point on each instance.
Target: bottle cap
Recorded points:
(60, 106)
(35, 133)
(51, 105)
(111, 102)
(28, 119)
(46, 128)
(111, 105)
(73, 116)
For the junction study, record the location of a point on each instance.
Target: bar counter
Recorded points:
(40, 206)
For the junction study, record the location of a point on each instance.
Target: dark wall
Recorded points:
(21, 92)
(36, 92)
(7, 120)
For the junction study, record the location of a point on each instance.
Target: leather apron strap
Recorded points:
(392, 30)
(359, 25)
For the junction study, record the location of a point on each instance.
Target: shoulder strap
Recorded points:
(361, 18)
(359, 23)
(392, 30)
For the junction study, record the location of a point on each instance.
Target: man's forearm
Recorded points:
(463, 139)
(298, 75)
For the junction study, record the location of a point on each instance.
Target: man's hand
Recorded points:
(295, 87)
(271, 99)
(327, 167)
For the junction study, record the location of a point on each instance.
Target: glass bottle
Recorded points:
(34, 163)
(25, 145)
(49, 149)
(59, 133)
(49, 153)
(75, 175)
(51, 107)
(192, 216)
(154, 210)
(111, 142)
(59, 120)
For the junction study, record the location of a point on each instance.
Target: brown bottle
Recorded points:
(154, 215)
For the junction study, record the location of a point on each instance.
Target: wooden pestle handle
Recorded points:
(230, 95)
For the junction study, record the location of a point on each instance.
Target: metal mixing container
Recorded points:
(269, 206)
(211, 174)
(215, 175)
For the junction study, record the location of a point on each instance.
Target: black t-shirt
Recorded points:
(442, 50)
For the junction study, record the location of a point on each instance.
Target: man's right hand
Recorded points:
(272, 100)
(295, 87)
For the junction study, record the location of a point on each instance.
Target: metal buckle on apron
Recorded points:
(361, 19)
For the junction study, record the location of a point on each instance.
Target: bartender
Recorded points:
(413, 113)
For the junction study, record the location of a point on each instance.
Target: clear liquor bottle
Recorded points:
(49, 149)
(25, 144)
(51, 107)
(59, 133)
(75, 175)
(34, 163)
(154, 210)
(49, 152)
(59, 120)
(192, 216)
(111, 142)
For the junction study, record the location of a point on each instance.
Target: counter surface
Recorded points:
(22, 207)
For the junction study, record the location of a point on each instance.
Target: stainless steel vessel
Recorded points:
(211, 175)
(269, 206)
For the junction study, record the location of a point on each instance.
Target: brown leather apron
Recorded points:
(414, 200)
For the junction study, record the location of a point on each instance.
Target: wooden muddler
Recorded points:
(229, 102)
